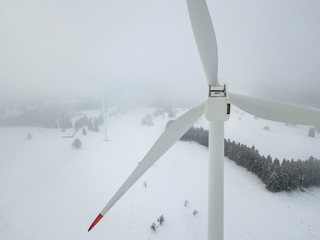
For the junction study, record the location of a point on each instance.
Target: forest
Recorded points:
(285, 175)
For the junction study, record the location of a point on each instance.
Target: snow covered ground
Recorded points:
(51, 191)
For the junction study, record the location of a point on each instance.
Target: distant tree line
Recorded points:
(39, 117)
(50, 117)
(277, 176)
(44, 114)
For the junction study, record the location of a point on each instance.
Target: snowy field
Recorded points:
(51, 191)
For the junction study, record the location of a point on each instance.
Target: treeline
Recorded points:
(36, 117)
(44, 114)
(287, 175)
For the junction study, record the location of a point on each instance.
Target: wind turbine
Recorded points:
(216, 109)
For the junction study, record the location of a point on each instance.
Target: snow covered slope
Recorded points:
(51, 191)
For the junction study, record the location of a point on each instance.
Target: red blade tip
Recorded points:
(95, 222)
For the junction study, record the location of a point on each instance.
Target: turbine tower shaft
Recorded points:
(216, 180)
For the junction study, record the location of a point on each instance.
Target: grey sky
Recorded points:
(144, 49)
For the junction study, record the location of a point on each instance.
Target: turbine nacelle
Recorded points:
(217, 106)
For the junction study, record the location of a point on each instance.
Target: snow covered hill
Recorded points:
(50, 190)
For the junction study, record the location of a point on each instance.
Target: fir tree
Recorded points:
(311, 132)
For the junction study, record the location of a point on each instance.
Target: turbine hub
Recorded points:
(217, 107)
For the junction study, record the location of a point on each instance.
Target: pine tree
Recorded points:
(90, 124)
(311, 132)
(161, 219)
(96, 125)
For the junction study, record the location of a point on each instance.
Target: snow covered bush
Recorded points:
(147, 120)
(153, 226)
(76, 143)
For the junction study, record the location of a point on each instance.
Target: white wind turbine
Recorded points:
(217, 109)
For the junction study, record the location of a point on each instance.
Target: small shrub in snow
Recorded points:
(147, 120)
(76, 143)
(311, 132)
(145, 184)
(186, 203)
(154, 226)
(195, 212)
(266, 128)
(161, 219)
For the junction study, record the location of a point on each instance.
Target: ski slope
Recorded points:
(51, 191)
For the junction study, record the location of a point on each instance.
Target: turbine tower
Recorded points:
(216, 109)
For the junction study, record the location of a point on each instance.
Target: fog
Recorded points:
(144, 52)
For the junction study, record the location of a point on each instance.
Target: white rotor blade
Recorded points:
(169, 137)
(205, 37)
(277, 111)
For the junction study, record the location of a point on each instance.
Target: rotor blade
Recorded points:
(169, 137)
(205, 37)
(277, 111)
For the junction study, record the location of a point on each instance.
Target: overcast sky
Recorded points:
(144, 50)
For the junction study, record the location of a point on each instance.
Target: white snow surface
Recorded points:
(50, 190)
